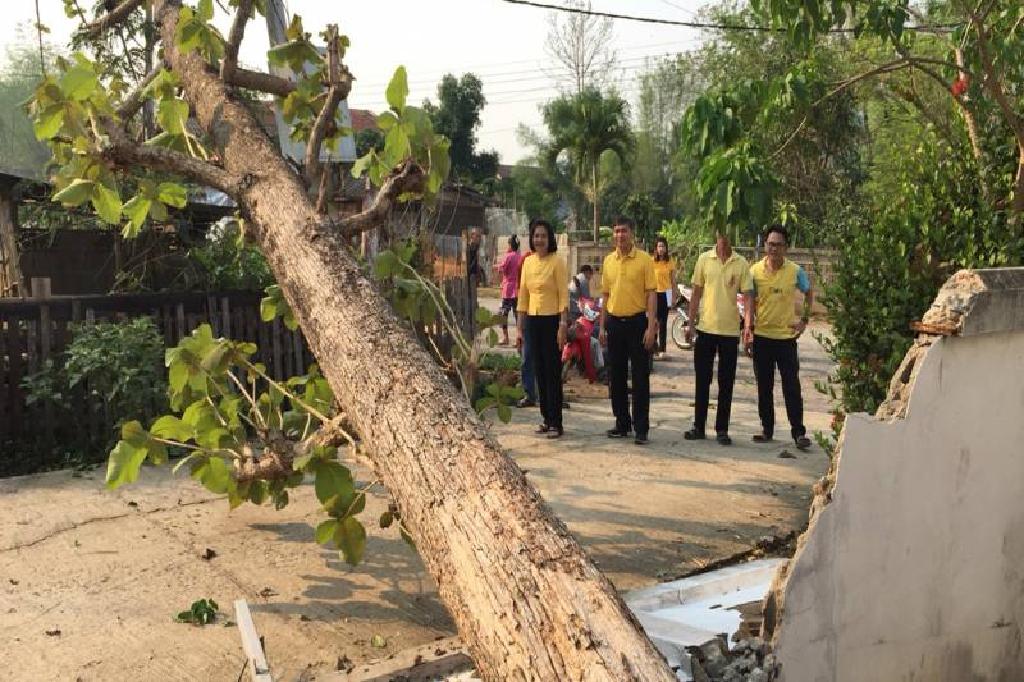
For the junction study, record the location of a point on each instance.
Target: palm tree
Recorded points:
(584, 127)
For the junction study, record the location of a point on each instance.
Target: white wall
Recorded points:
(915, 569)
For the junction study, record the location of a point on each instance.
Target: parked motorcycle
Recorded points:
(682, 308)
(581, 346)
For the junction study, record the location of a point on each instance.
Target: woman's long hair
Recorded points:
(513, 243)
(667, 256)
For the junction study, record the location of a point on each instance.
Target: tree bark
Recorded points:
(525, 598)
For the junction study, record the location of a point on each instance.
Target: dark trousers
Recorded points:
(662, 320)
(626, 345)
(781, 353)
(547, 366)
(704, 350)
(526, 352)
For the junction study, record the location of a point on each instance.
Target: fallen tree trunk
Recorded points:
(526, 599)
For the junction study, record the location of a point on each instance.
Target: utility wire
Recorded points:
(700, 24)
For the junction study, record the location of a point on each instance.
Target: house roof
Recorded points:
(363, 119)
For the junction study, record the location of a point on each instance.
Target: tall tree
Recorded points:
(525, 598)
(457, 116)
(587, 127)
(580, 44)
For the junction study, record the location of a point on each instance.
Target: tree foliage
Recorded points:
(457, 117)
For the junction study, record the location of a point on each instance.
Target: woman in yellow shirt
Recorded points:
(664, 279)
(543, 311)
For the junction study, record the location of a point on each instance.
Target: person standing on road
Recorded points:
(629, 328)
(509, 267)
(664, 281)
(719, 275)
(544, 304)
(774, 337)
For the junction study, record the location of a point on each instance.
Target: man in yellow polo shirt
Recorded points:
(719, 275)
(776, 281)
(629, 328)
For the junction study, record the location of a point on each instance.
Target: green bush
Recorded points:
(110, 373)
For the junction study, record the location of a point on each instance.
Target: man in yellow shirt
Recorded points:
(719, 275)
(629, 328)
(776, 281)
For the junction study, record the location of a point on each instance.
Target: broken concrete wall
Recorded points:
(913, 565)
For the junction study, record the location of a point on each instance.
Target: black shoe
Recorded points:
(803, 443)
(694, 434)
(526, 402)
(617, 433)
(723, 439)
(762, 438)
(555, 432)
(641, 439)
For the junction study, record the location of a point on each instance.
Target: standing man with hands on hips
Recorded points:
(629, 329)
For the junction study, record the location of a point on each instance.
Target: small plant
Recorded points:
(202, 612)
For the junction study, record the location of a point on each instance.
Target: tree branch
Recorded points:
(137, 97)
(260, 81)
(111, 18)
(408, 178)
(230, 63)
(340, 81)
(124, 152)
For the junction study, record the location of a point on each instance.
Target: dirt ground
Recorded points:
(90, 580)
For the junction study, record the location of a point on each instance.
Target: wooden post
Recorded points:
(11, 283)
(259, 670)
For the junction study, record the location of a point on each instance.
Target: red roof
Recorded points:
(363, 119)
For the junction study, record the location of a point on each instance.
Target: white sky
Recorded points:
(500, 42)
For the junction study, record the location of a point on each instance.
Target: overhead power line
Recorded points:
(697, 24)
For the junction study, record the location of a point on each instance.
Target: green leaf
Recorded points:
(325, 531)
(136, 209)
(350, 538)
(48, 122)
(332, 479)
(171, 428)
(398, 90)
(386, 519)
(386, 265)
(172, 115)
(214, 474)
(107, 204)
(172, 194)
(76, 193)
(177, 376)
(79, 82)
(504, 413)
(362, 163)
(124, 463)
(204, 10)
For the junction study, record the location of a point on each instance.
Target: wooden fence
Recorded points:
(32, 331)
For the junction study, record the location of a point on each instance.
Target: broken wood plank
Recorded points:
(259, 671)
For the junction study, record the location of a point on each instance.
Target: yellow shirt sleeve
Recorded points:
(698, 272)
(562, 282)
(523, 304)
(606, 289)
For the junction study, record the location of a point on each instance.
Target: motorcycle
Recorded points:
(581, 345)
(682, 319)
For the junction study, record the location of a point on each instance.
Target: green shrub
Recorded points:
(110, 373)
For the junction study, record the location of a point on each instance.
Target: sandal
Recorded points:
(555, 432)
(543, 428)
(761, 438)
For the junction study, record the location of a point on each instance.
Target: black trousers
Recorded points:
(704, 350)
(547, 366)
(626, 345)
(781, 353)
(662, 320)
